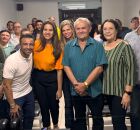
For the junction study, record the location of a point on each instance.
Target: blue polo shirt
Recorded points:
(83, 62)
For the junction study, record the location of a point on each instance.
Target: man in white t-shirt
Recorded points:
(16, 76)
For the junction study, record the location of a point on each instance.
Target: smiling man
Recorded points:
(16, 74)
(84, 60)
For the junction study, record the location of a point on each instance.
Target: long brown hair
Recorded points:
(54, 41)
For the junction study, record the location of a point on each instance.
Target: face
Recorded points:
(5, 37)
(27, 45)
(17, 28)
(109, 31)
(39, 25)
(30, 27)
(48, 31)
(134, 24)
(10, 26)
(67, 31)
(82, 30)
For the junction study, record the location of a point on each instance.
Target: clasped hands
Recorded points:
(80, 88)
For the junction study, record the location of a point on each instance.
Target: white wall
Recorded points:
(39, 9)
(122, 9)
(132, 8)
(113, 9)
(7, 12)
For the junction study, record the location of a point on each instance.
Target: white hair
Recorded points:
(81, 19)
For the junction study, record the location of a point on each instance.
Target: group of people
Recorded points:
(68, 60)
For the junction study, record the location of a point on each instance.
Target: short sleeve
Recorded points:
(101, 56)
(59, 65)
(9, 69)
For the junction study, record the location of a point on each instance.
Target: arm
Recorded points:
(70, 75)
(14, 108)
(130, 65)
(94, 74)
(1, 91)
(59, 81)
(81, 87)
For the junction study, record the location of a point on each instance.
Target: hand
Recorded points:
(125, 100)
(58, 94)
(80, 89)
(15, 111)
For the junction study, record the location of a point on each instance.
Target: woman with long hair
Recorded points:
(67, 33)
(47, 74)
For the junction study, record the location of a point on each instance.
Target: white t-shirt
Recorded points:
(18, 69)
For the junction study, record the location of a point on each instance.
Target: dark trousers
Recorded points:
(69, 115)
(45, 86)
(135, 108)
(95, 105)
(27, 110)
(117, 112)
(4, 109)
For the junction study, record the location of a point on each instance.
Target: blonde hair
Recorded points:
(62, 24)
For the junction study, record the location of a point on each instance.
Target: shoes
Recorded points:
(55, 127)
(46, 128)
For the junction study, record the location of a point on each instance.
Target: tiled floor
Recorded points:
(107, 120)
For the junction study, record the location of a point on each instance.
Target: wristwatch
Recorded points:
(86, 84)
(128, 92)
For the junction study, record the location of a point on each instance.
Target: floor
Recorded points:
(107, 120)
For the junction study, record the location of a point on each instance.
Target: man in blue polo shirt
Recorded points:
(84, 61)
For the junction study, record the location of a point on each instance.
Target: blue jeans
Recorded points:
(27, 110)
(135, 108)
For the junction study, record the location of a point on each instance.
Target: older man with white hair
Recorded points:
(84, 61)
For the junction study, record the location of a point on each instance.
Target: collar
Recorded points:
(89, 41)
(23, 58)
(6, 46)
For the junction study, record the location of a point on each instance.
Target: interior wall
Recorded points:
(122, 9)
(42, 9)
(39, 9)
(7, 12)
(113, 9)
(132, 8)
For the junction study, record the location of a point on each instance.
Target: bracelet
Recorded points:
(86, 84)
(128, 92)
